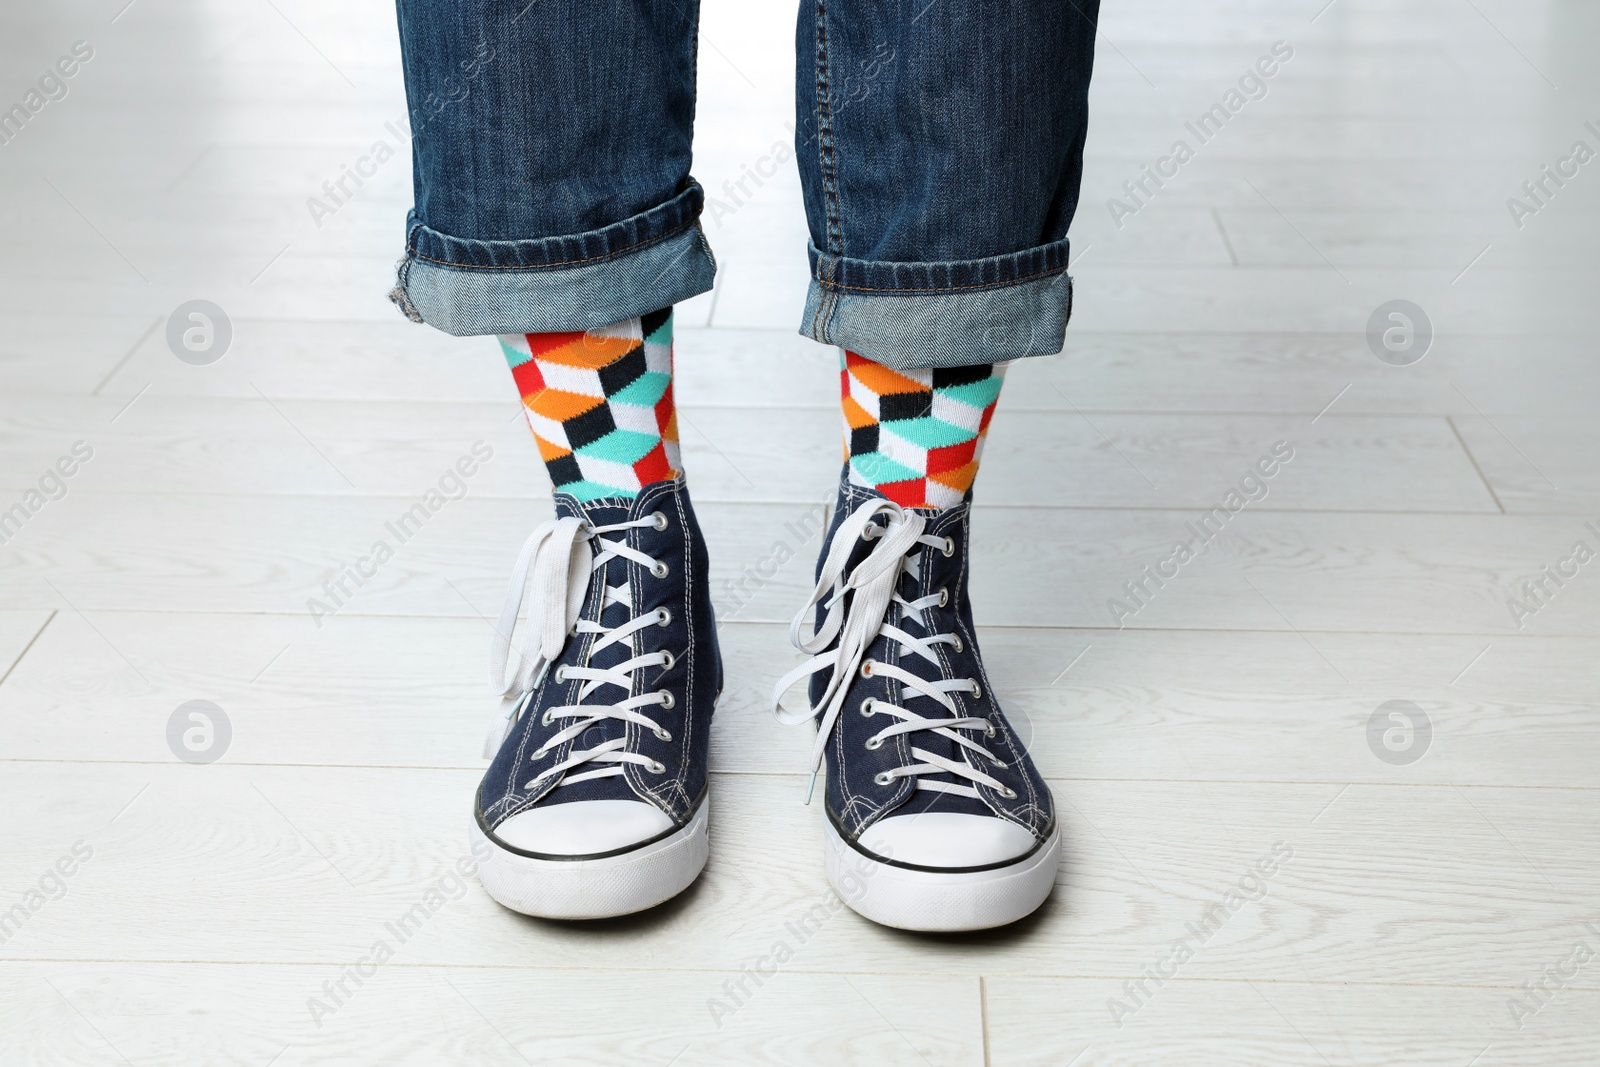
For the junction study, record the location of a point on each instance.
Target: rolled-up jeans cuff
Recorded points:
(956, 314)
(581, 281)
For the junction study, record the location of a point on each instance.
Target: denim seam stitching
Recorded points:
(818, 329)
(705, 244)
(411, 250)
(826, 157)
(840, 287)
(828, 306)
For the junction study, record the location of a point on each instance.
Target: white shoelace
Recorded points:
(873, 582)
(560, 558)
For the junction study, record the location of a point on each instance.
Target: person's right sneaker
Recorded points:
(937, 819)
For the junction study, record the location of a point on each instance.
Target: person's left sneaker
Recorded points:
(595, 803)
(937, 819)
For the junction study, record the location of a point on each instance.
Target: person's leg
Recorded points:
(550, 159)
(916, 435)
(554, 208)
(600, 405)
(940, 150)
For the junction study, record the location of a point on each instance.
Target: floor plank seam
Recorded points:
(1086, 976)
(784, 623)
(800, 777)
(29, 646)
(1473, 459)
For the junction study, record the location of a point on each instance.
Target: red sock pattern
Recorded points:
(600, 404)
(916, 435)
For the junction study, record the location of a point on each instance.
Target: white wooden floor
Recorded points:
(1422, 898)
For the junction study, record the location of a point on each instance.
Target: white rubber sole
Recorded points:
(939, 902)
(597, 888)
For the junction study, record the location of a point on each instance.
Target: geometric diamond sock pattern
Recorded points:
(916, 435)
(600, 404)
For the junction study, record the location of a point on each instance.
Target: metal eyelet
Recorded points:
(545, 719)
(883, 778)
(659, 569)
(959, 646)
(988, 729)
(659, 520)
(657, 767)
(944, 597)
(998, 762)
(977, 691)
(949, 547)
(874, 743)
(663, 617)
(537, 755)
(1008, 793)
(663, 735)
(671, 660)
(671, 701)
(867, 708)
(866, 668)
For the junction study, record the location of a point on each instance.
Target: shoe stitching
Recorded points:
(568, 696)
(692, 675)
(1017, 751)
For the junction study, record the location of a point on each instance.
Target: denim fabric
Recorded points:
(953, 327)
(854, 800)
(550, 163)
(510, 295)
(939, 146)
(695, 678)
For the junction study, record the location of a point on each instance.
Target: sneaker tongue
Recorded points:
(602, 512)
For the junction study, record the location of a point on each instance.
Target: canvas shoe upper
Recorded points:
(923, 770)
(608, 688)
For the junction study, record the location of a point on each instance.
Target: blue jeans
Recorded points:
(939, 142)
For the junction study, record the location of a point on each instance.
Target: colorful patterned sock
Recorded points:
(916, 435)
(600, 404)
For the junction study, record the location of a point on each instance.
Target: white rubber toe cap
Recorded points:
(947, 839)
(583, 827)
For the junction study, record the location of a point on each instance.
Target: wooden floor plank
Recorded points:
(402, 1013)
(1035, 1022)
(1434, 885)
(1070, 459)
(1091, 704)
(1267, 570)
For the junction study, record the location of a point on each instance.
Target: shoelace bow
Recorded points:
(871, 589)
(560, 558)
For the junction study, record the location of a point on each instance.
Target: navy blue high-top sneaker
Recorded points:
(595, 802)
(937, 818)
